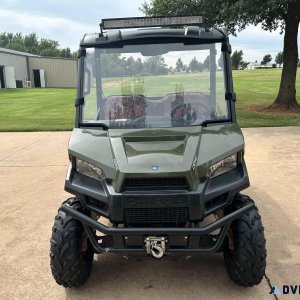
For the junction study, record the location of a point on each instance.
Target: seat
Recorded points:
(194, 104)
(154, 108)
(125, 107)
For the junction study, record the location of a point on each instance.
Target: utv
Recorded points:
(156, 156)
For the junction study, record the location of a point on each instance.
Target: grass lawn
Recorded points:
(37, 109)
(53, 109)
(260, 87)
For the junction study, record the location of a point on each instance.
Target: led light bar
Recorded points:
(141, 22)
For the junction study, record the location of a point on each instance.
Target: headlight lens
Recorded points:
(223, 166)
(89, 170)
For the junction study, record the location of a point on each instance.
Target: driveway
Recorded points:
(32, 172)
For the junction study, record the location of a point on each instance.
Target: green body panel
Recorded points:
(177, 152)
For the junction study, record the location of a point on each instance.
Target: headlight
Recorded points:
(89, 170)
(223, 166)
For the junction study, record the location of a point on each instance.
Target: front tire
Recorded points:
(71, 254)
(245, 246)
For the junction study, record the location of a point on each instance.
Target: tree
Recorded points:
(31, 44)
(279, 58)
(138, 66)
(130, 66)
(237, 59)
(236, 15)
(266, 59)
(193, 66)
(206, 63)
(66, 52)
(156, 65)
(112, 65)
(244, 65)
(179, 65)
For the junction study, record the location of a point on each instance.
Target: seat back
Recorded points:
(124, 107)
(137, 106)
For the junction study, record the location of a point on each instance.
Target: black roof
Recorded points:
(188, 35)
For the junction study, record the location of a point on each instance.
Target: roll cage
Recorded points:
(172, 33)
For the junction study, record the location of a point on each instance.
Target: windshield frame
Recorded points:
(229, 95)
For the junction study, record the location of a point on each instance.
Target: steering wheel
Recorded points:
(182, 118)
(188, 116)
(176, 108)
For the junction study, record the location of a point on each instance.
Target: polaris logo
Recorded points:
(286, 289)
(154, 168)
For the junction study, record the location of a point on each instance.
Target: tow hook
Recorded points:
(156, 246)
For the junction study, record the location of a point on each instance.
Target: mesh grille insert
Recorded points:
(156, 215)
(177, 183)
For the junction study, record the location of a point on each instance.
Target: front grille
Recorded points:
(176, 183)
(156, 215)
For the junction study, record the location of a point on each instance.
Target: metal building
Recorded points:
(57, 72)
(20, 69)
(13, 68)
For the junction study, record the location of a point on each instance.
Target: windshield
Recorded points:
(147, 86)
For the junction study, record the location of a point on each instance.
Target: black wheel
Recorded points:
(245, 246)
(71, 254)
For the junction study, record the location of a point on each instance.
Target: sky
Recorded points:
(67, 20)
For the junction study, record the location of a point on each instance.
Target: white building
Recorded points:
(20, 69)
(255, 65)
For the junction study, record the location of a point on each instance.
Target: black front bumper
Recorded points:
(211, 195)
(180, 240)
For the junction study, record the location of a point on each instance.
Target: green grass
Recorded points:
(260, 87)
(36, 109)
(53, 109)
(160, 85)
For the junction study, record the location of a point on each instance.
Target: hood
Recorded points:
(173, 152)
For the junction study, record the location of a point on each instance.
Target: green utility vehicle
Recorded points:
(156, 156)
